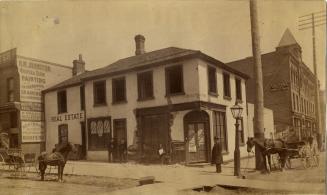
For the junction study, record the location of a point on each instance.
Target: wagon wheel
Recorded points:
(288, 163)
(277, 162)
(306, 162)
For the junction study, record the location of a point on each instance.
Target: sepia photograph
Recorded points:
(148, 97)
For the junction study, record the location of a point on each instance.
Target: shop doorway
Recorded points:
(120, 137)
(197, 138)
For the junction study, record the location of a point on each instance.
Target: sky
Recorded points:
(103, 31)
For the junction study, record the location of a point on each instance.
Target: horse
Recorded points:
(57, 158)
(267, 147)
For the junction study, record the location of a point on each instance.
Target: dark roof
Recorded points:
(73, 81)
(245, 65)
(169, 54)
(151, 58)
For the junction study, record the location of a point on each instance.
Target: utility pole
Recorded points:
(258, 104)
(311, 21)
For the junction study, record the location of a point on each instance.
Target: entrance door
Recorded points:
(154, 133)
(120, 136)
(196, 142)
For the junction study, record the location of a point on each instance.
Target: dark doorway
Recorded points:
(197, 138)
(120, 137)
(83, 135)
(154, 132)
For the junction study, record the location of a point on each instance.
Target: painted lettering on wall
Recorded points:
(31, 116)
(32, 79)
(67, 117)
(31, 106)
(32, 131)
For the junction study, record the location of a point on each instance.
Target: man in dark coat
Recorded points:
(111, 149)
(217, 157)
(122, 150)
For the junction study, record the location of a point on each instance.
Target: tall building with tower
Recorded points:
(289, 87)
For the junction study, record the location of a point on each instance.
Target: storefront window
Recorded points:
(99, 133)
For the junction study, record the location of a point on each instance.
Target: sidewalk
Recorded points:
(173, 178)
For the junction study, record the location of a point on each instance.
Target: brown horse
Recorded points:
(57, 158)
(268, 147)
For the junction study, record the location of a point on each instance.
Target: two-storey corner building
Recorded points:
(21, 103)
(289, 87)
(177, 98)
(64, 111)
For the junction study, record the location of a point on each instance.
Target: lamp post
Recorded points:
(237, 114)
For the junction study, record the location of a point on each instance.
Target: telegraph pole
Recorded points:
(258, 104)
(311, 21)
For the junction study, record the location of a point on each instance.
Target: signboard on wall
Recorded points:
(32, 79)
(33, 131)
(31, 116)
(31, 106)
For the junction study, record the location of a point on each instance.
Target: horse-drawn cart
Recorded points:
(305, 152)
(13, 159)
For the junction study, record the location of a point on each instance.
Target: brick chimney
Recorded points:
(139, 43)
(78, 66)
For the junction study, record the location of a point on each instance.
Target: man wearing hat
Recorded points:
(217, 157)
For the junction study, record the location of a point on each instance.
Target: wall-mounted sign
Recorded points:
(67, 117)
(279, 86)
(31, 116)
(32, 79)
(31, 106)
(32, 131)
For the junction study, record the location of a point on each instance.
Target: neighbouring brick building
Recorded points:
(289, 87)
(175, 97)
(21, 106)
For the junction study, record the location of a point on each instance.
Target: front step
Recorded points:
(199, 165)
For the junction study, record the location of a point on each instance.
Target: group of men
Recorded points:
(117, 150)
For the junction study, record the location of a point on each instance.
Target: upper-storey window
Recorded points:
(226, 85)
(99, 92)
(145, 85)
(82, 97)
(118, 90)
(10, 89)
(238, 87)
(62, 101)
(212, 80)
(174, 80)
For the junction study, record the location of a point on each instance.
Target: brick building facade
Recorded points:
(21, 106)
(289, 87)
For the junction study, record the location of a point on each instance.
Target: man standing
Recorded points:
(217, 157)
(111, 149)
(122, 150)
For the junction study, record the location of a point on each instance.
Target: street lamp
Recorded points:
(237, 114)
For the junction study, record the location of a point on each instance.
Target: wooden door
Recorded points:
(196, 142)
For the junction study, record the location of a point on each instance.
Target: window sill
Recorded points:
(242, 144)
(213, 94)
(99, 105)
(145, 99)
(225, 153)
(63, 112)
(175, 94)
(119, 102)
(239, 101)
(227, 97)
